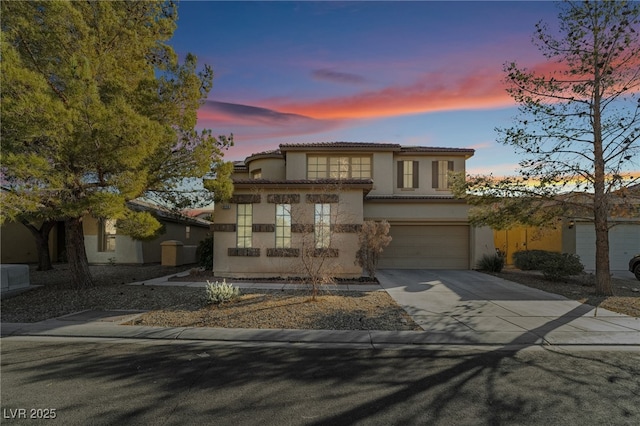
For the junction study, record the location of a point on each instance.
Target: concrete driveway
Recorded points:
(478, 308)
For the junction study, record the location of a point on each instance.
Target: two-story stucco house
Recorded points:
(313, 198)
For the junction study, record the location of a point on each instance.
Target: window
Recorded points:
(283, 225)
(323, 225)
(440, 174)
(408, 174)
(338, 167)
(245, 223)
(187, 232)
(361, 167)
(256, 174)
(316, 167)
(107, 235)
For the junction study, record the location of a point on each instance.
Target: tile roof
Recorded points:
(434, 149)
(315, 182)
(284, 147)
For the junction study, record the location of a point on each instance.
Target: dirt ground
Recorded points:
(185, 306)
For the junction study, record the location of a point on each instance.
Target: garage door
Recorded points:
(624, 243)
(427, 247)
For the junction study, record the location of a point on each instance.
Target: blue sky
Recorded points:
(414, 73)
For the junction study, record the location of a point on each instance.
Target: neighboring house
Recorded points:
(576, 234)
(318, 195)
(102, 242)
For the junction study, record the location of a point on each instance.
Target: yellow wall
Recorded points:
(527, 238)
(19, 245)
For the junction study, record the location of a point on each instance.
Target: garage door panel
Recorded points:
(427, 247)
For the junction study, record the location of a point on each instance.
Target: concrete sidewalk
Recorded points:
(455, 308)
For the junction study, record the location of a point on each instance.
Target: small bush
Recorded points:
(529, 260)
(561, 265)
(491, 263)
(221, 292)
(204, 253)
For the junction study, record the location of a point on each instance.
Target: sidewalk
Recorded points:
(455, 308)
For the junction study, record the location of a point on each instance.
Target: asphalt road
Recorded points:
(94, 382)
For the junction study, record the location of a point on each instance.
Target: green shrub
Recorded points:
(221, 292)
(204, 253)
(529, 260)
(491, 263)
(561, 265)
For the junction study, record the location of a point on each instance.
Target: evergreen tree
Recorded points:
(96, 111)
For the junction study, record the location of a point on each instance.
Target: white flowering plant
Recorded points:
(221, 292)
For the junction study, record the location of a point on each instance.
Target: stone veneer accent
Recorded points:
(263, 227)
(322, 198)
(302, 227)
(283, 252)
(246, 198)
(283, 198)
(246, 252)
(346, 227)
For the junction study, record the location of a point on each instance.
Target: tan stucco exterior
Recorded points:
(433, 214)
(346, 211)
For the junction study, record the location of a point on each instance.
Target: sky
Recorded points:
(415, 73)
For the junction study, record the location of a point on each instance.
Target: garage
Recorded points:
(624, 243)
(427, 247)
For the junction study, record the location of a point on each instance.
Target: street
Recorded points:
(105, 382)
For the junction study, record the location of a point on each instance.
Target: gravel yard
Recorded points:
(185, 306)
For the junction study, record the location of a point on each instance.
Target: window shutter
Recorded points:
(415, 174)
(450, 168)
(434, 174)
(400, 174)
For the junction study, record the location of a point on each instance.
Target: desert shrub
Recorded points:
(204, 253)
(491, 263)
(528, 260)
(221, 292)
(561, 265)
(372, 239)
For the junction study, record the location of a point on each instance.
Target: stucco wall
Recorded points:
(528, 238)
(270, 168)
(416, 211)
(19, 246)
(348, 211)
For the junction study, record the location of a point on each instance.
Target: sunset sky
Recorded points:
(414, 73)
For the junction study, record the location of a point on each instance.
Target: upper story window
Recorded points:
(256, 174)
(440, 174)
(244, 225)
(283, 225)
(338, 167)
(408, 174)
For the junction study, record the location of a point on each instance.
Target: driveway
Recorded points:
(480, 308)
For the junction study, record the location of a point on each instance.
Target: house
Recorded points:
(575, 234)
(102, 242)
(312, 199)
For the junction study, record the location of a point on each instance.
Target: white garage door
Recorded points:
(624, 243)
(427, 247)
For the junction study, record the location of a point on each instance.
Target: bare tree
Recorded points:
(373, 238)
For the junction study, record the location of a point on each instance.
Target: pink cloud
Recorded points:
(432, 92)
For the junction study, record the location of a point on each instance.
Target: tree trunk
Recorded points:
(77, 255)
(600, 200)
(603, 276)
(41, 236)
